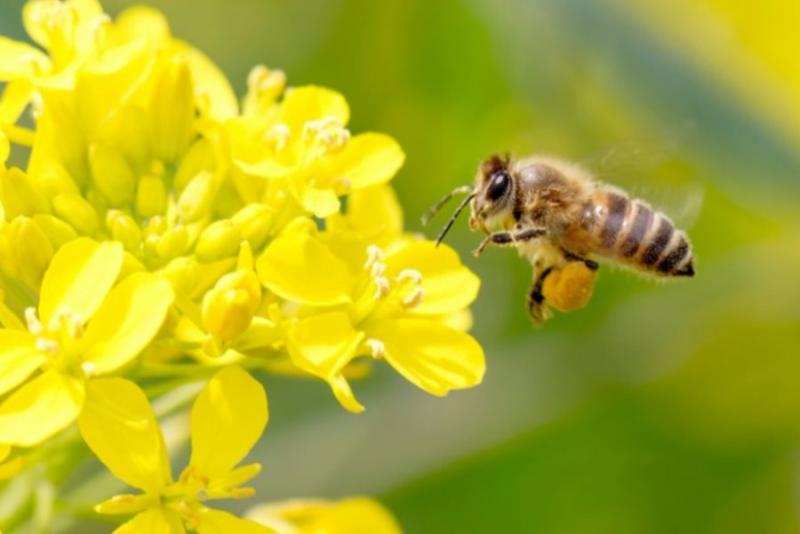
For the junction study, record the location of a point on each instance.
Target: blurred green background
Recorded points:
(660, 408)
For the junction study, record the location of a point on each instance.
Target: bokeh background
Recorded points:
(661, 408)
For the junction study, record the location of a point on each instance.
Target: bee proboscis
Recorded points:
(561, 218)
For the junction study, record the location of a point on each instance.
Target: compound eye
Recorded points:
(498, 185)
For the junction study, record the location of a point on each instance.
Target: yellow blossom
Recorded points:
(392, 302)
(227, 419)
(355, 515)
(85, 326)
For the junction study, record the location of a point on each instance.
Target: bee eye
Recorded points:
(498, 185)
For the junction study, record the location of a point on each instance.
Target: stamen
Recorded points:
(382, 287)
(376, 347)
(414, 298)
(48, 346)
(378, 268)
(409, 274)
(89, 369)
(374, 253)
(33, 322)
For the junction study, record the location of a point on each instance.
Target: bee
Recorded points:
(561, 219)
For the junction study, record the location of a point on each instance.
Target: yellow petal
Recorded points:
(356, 515)
(375, 211)
(118, 424)
(212, 88)
(432, 356)
(218, 522)
(40, 408)
(11, 467)
(323, 344)
(79, 277)
(20, 60)
(228, 417)
(368, 159)
(297, 266)
(16, 96)
(126, 503)
(310, 102)
(127, 321)
(153, 521)
(140, 22)
(448, 285)
(320, 202)
(18, 358)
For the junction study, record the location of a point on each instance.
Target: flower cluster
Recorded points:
(154, 230)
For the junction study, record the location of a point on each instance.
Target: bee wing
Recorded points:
(681, 202)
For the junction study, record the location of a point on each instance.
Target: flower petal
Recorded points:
(228, 417)
(119, 426)
(20, 60)
(375, 210)
(310, 102)
(356, 515)
(218, 522)
(127, 321)
(320, 202)
(431, 355)
(153, 521)
(211, 86)
(297, 266)
(323, 344)
(40, 408)
(80, 275)
(18, 358)
(448, 285)
(368, 159)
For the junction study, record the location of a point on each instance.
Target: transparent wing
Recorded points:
(656, 171)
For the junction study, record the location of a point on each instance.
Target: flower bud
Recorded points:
(74, 209)
(19, 196)
(173, 242)
(195, 200)
(57, 231)
(219, 240)
(31, 250)
(124, 229)
(254, 221)
(112, 175)
(229, 307)
(151, 196)
(182, 274)
(173, 111)
(199, 157)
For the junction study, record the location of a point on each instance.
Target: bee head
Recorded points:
(494, 187)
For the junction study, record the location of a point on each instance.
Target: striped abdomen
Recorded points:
(630, 231)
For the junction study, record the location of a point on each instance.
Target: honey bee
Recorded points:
(561, 218)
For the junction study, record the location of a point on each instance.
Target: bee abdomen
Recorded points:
(652, 242)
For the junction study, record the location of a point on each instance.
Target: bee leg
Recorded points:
(537, 307)
(571, 256)
(508, 238)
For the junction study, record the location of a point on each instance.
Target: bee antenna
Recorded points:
(428, 215)
(454, 216)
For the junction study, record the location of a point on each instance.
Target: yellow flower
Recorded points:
(84, 327)
(227, 419)
(395, 302)
(355, 515)
(302, 144)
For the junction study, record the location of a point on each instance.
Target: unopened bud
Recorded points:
(229, 307)
(182, 274)
(112, 175)
(219, 240)
(172, 111)
(57, 231)
(254, 221)
(124, 229)
(19, 196)
(196, 199)
(173, 242)
(74, 209)
(31, 250)
(151, 196)
(199, 157)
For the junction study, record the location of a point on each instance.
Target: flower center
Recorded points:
(60, 339)
(381, 297)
